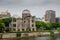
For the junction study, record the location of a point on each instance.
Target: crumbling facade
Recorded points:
(26, 23)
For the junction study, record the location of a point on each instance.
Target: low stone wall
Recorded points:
(33, 34)
(36, 34)
(7, 35)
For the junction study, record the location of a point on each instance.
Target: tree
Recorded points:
(40, 24)
(7, 21)
(4, 24)
(2, 27)
(58, 25)
(48, 26)
(55, 25)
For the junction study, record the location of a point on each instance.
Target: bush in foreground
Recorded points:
(18, 34)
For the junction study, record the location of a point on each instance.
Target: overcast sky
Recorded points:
(36, 7)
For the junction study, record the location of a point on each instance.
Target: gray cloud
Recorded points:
(29, 2)
(35, 6)
(51, 2)
(10, 2)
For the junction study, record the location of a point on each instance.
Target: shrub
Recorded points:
(52, 33)
(18, 34)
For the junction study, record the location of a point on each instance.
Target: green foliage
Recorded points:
(51, 33)
(58, 29)
(40, 24)
(2, 27)
(7, 21)
(46, 31)
(18, 34)
(47, 26)
(43, 25)
(55, 25)
(4, 23)
(1, 21)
